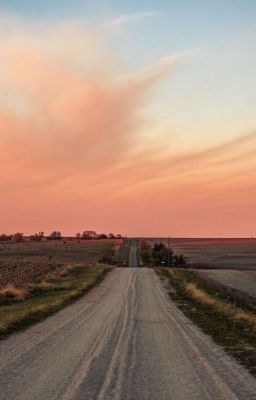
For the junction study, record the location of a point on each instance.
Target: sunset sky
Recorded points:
(136, 117)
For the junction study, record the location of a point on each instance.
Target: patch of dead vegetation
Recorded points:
(12, 292)
(219, 306)
(216, 313)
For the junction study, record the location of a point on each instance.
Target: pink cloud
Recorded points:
(69, 136)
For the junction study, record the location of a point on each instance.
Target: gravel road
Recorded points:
(244, 281)
(124, 340)
(133, 261)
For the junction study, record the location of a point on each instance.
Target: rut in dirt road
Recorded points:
(124, 340)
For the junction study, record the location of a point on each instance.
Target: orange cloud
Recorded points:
(72, 153)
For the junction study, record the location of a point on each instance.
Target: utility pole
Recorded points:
(169, 251)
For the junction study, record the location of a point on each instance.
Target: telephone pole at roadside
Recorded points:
(169, 251)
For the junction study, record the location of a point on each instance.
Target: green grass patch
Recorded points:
(48, 298)
(217, 314)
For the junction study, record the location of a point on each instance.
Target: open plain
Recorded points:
(215, 253)
(243, 281)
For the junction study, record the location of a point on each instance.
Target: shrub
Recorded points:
(55, 235)
(5, 238)
(102, 236)
(18, 237)
(180, 260)
(12, 292)
(108, 253)
(162, 255)
(37, 237)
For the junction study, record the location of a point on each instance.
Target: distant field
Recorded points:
(218, 253)
(26, 263)
(244, 281)
(38, 279)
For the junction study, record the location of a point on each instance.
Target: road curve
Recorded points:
(124, 340)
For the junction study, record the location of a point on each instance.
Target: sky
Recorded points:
(126, 116)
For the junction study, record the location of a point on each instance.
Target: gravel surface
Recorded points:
(124, 340)
(244, 281)
(133, 254)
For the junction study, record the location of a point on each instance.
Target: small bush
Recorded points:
(18, 237)
(108, 253)
(5, 238)
(37, 237)
(12, 292)
(55, 235)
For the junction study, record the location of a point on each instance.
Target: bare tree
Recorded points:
(78, 237)
(18, 237)
(55, 235)
(37, 237)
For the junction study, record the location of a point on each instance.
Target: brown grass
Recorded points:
(47, 298)
(223, 318)
(219, 306)
(11, 292)
(28, 263)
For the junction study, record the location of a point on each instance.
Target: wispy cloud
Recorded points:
(125, 19)
(70, 144)
(64, 108)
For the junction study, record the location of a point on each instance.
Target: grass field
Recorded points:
(37, 279)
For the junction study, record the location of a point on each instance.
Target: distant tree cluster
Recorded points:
(37, 237)
(161, 255)
(19, 237)
(5, 238)
(55, 235)
(90, 235)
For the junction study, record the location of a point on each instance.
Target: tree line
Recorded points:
(160, 255)
(19, 237)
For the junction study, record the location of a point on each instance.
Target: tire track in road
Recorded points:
(201, 351)
(118, 356)
(125, 340)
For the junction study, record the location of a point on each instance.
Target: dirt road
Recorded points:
(124, 340)
(133, 261)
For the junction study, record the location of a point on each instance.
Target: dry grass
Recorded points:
(46, 298)
(37, 279)
(229, 323)
(219, 306)
(11, 292)
(29, 263)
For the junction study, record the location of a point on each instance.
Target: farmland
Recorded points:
(37, 279)
(225, 264)
(239, 282)
(216, 253)
(26, 263)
